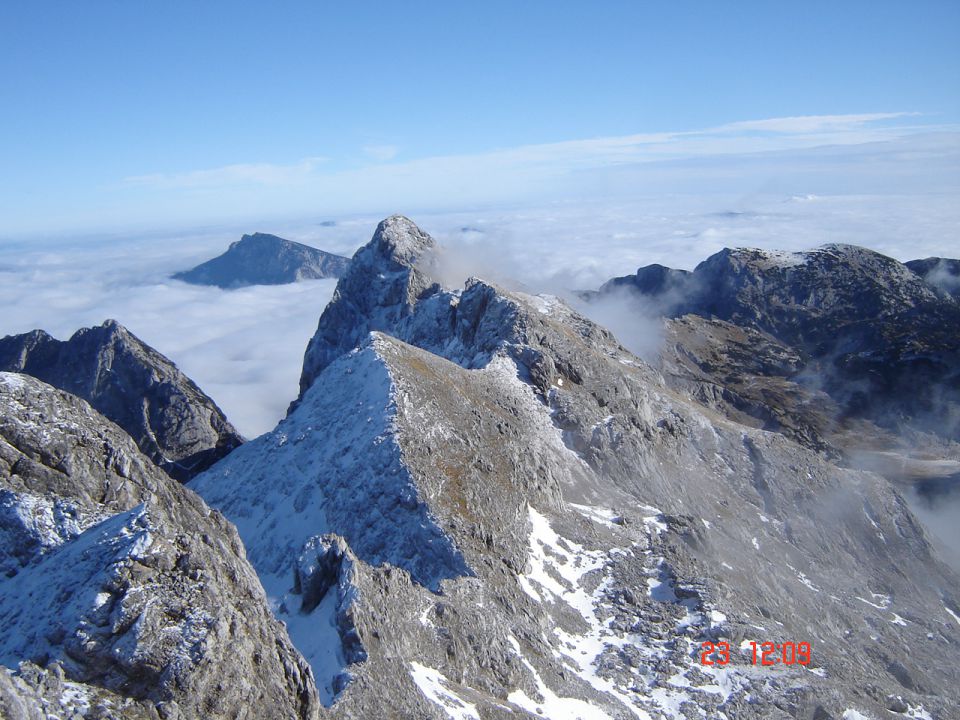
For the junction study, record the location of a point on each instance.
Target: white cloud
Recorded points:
(238, 174)
(813, 123)
(381, 153)
(551, 159)
(245, 347)
(823, 155)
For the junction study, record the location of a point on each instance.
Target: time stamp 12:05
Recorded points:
(764, 653)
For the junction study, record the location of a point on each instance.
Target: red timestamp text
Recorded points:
(766, 653)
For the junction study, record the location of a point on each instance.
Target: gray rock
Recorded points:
(884, 344)
(145, 595)
(750, 377)
(263, 259)
(172, 421)
(380, 287)
(608, 525)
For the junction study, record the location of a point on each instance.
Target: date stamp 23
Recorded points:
(765, 653)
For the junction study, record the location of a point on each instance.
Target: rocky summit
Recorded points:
(172, 421)
(263, 259)
(481, 506)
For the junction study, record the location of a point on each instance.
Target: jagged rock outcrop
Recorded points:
(172, 421)
(125, 595)
(263, 259)
(380, 288)
(942, 273)
(588, 526)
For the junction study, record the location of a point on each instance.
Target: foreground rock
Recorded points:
(262, 259)
(122, 595)
(172, 421)
(488, 508)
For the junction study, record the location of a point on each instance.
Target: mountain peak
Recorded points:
(380, 288)
(265, 259)
(175, 424)
(399, 239)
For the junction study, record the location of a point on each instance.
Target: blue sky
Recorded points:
(123, 114)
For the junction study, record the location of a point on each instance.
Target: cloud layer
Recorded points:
(245, 347)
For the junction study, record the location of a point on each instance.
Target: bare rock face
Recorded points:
(172, 421)
(488, 508)
(750, 377)
(381, 287)
(263, 259)
(121, 589)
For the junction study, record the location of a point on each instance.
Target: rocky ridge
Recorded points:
(494, 510)
(263, 259)
(172, 421)
(877, 339)
(122, 593)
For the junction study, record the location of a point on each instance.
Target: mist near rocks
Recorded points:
(635, 323)
(939, 514)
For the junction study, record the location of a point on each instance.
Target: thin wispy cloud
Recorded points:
(813, 123)
(820, 154)
(236, 174)
(771, 134)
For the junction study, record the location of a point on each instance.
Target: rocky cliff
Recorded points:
(263, 259)
(172, 421)
(122, 595)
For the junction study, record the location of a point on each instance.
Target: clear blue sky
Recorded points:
(95, 93)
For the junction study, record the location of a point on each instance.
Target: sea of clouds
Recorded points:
(244, 347)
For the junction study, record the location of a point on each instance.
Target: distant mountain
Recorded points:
(943, 273)
(884, 344)
(262, 259)
(175, 424)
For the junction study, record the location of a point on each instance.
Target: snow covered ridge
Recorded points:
(33, 525)
(334, 466)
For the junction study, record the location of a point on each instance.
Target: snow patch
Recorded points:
(435, 686)
(550, 704)
(884, 600)
(603, 516)
(952, 614)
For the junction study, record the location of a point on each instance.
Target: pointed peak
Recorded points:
(110, 329)
(398, 238)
